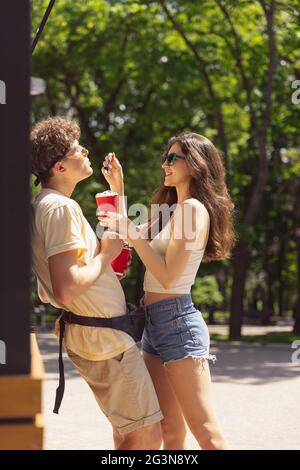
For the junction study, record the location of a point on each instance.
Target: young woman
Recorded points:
(175, 343)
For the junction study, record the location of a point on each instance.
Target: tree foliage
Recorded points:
(134, 73)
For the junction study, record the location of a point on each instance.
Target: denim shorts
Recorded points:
(175, 330)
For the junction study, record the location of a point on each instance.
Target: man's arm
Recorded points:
(69, 280)
(42, 293)
(113, 173)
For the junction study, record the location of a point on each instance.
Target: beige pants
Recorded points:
(123, 389)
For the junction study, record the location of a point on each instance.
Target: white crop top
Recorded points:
(186, 280)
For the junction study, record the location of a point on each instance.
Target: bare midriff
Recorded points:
(151, 297)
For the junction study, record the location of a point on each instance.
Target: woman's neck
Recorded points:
(182, 195)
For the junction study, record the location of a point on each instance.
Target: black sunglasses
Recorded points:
(171, 158)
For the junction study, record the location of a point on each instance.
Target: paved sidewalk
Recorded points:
(254, 329)
(256, 388)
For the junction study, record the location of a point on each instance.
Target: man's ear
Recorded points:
(59, 167)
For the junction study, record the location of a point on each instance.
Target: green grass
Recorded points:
(280, 338)
(218, 315)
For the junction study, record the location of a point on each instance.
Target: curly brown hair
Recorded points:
(51, 139)
(209, 187)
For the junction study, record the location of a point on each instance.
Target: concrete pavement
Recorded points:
(256, 388)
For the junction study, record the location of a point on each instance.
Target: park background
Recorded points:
(134, 73)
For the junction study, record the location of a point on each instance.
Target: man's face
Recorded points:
(76, 163)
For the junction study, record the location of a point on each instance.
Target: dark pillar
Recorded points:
(14, 186)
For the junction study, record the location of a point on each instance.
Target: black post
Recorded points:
(14, 186)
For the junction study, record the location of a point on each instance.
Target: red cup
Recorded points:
(120, 262)
(107, 201)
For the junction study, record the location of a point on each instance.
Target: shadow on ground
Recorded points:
(236, 363)
(49, 347)
(253, 364)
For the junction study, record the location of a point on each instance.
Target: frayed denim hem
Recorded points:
(210, 357)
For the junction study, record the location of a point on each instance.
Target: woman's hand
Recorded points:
(118, 223)
(113, 173)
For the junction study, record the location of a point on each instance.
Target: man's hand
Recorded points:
(126, 270)
(110, 244)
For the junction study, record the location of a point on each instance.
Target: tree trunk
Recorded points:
(297, 239)
(296, 314)
(222, 280)
(240, 262)
(281, 259)
(268, 300)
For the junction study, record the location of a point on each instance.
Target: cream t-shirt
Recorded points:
(58, 225)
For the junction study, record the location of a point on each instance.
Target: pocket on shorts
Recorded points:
(197, 328)
(130, 360)
(119, 357)
(71, 354)
(163, 318)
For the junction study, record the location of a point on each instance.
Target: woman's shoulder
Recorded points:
(199, 206)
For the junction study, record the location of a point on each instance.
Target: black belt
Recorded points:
(131, 323)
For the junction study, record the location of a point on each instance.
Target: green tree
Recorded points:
(134, 73)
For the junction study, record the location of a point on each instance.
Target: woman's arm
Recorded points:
(168, 268)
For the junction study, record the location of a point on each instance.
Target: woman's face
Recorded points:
(179, 172)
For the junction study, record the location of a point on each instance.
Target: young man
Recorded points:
(74, 273)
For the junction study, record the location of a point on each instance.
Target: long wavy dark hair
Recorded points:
(208, 185)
